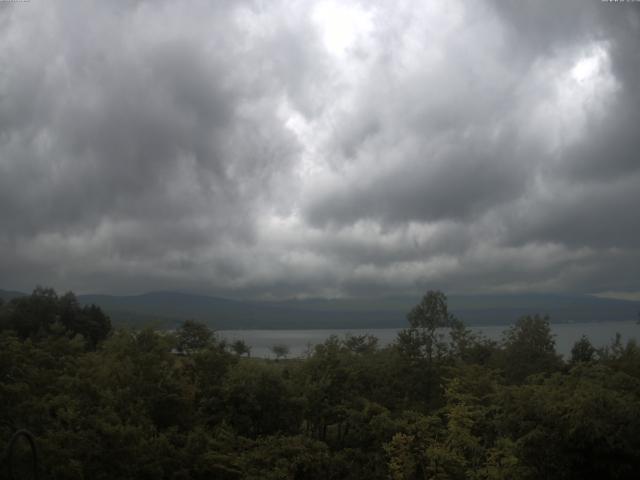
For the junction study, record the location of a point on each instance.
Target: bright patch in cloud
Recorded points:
(589, 66)
(577, 94)
(341, 25)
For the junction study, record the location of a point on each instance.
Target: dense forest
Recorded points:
(439, 403)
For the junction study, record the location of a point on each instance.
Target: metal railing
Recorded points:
(9, 453)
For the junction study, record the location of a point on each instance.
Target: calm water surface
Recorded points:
(299, 341)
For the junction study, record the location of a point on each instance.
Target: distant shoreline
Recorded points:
(360, 327)
(298, 340)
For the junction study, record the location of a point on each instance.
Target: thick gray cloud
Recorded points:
(320, 148)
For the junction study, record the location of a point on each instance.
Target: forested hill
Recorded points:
(167, 309)
(8, 294)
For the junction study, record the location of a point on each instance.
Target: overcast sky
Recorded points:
(296, 148)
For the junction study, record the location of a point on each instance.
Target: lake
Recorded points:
(299, 341)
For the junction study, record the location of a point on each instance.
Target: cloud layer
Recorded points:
(320, 148)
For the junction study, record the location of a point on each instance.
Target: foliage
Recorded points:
(529, 348)
(582, 351)
(240, 348)
(192, 336)
(424, 336)
(440, 403)
(45, 313)
(258, 401)
(280, 351)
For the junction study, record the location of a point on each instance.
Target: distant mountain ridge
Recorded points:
(168, 309)
(7, 295)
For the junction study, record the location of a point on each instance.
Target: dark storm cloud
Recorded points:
(584, 215)
(462, 180)
(320, 148)
(113, 128)
(592, 204)
(137, 135)
(510, 189)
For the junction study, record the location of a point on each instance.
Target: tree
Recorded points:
(582, 351)
(193, 336)
(33, 315)
(239, 347)
(529, 347)
(280, 351)
(426, 319)
(208, 368)
(89, 321)
(432, 312)
(361, 344)
(258, 401)
(583, 424)
(291, 457)
(44, 313)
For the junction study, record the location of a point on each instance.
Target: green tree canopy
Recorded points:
(280, 350)
(192, 336)
(45, 313)
(240, 348)
(529, 347)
